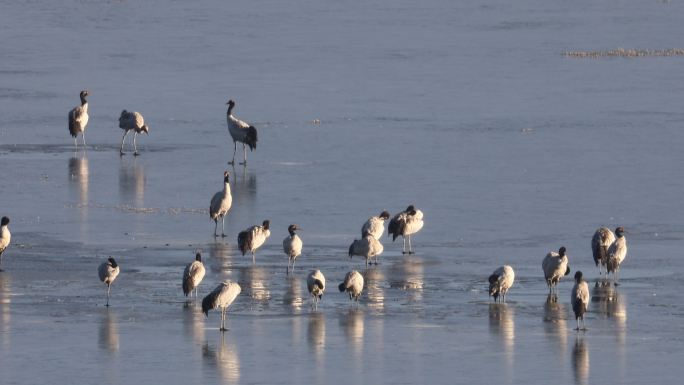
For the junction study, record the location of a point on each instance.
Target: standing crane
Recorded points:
(108, 271)
(367, 247)
(617, 252)
(353, 285)
(407, 222)
(221, 297)
(253, 237)
(580, 299)
(500, 281)
(220, 204)
(292, 246)
(5, 237)
(375, 225)
(132, 121)
(193, 275)
(240, 132)
(555, 267)
(315, 283)
(78, 119)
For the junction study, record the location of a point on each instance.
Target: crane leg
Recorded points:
(253, 258)
(83, 137)
(122, 142)
(234, 150)
(135, 146)
(223, 319)
(215, 227)
(223, 226)
(244, 154)
(108, 288)
(403, 249)
(410, 248)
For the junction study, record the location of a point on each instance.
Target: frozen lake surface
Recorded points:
(468, 110)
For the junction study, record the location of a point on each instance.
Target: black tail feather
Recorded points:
(251, 138)
(72, 126)
(245, 241)
(396, 228)
(186, 286)
(206, 306)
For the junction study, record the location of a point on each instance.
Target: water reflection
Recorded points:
(352, 322)
(193, 321)
(555, 322)
(254, 282)
(409, 275)
(293, 296)
(243, 186)
(131, 182)
(373, 278)
(224, 359)
(502, 324)
(315, 334)
(78, 179)
(5, 301)
(79, 176)
(580, 360)
(220, 256)
(108, 337)
(606, 300)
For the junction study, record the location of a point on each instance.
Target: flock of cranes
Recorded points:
(403, 224)
(609, 249)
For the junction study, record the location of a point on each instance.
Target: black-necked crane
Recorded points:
(315, 283)
(375, 225)
(253, 237)
(500, 281)
(555, 266)
(616, 254)
(353, 285)
(132, 121)
(292, 246)
(78, 119)
(221, 297)
(108, 271)
(367, 247)
(5, 237)
(193, 275)
(600, 243)
(407, 222)
(240, 132)
(220, 204)
(580, 299)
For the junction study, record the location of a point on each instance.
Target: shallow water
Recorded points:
(469, 111)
